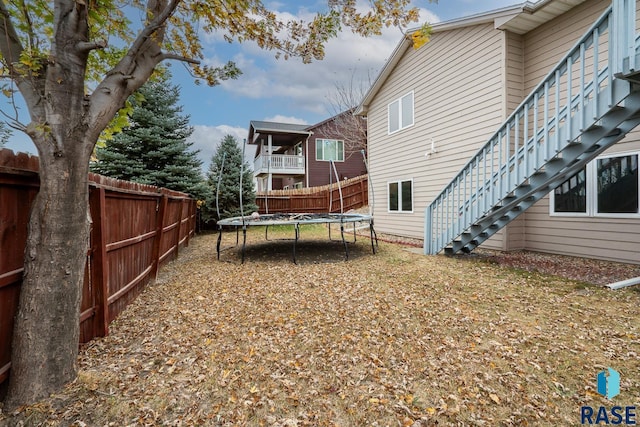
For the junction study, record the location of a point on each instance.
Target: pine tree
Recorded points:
(5, 134)
(229, 189)
(153, 149)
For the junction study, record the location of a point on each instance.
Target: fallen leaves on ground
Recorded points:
(392, 339)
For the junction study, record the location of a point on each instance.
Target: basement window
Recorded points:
(607, 187)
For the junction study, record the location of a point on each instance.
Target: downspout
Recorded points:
(624, 283)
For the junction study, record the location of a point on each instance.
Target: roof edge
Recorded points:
(495, 15)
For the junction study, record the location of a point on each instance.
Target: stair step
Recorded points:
(592, 139)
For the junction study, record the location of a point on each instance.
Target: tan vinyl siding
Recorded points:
(547, 44)
(458, 86)
(598, 237)
(514, 85)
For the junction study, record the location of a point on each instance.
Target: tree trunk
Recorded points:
(45, 345)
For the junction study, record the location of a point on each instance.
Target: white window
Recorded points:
(329, 149)
(400, 113)
(400, 196)
(607, 186)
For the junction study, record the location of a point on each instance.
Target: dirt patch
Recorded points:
(593, 271)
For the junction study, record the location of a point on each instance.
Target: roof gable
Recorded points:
(520, 19)
(282, 133)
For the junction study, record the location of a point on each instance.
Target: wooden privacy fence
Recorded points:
(316, 199)
(135, 229)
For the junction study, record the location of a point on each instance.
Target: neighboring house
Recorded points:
(466, 93)
(298, 156)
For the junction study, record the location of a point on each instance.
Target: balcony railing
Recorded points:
(279, 163)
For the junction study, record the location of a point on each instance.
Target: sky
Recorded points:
(285, 90)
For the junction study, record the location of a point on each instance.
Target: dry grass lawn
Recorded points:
(392, 339)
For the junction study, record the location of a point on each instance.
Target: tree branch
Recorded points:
(10, 44)
(134, 68)
(152, 26)
(12, 49)
(178, 58)
(88, 46)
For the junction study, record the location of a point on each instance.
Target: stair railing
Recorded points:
(572, 98)
(625, 35)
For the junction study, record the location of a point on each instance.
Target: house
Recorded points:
(513, 129)
(298, 156)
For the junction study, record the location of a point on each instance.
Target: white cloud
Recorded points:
(307, 86)
(207, 138)
(279, 118)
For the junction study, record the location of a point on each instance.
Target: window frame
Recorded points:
(400, 111)
(592, 192)
(322, 145)
(399, 183)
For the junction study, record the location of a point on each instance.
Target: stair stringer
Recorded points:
(616, 124)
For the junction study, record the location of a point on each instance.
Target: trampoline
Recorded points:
(297, 220)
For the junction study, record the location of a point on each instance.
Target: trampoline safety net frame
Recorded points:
(297, 219)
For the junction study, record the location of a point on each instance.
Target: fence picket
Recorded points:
(125, 249)
(316, 199)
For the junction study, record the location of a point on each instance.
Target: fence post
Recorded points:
(189, 222)
(99, 265)
(157, 243)
(179, 226)
(329, 195)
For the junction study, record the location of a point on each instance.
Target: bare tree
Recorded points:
(341, 104)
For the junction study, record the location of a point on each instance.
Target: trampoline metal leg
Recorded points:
(219, 240)
(237, 235)
(244, 242)
(344, 242)
(295, 241)
(373, 237)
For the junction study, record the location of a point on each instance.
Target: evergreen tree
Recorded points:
(153, 149)
(229, 190)
(5, 134)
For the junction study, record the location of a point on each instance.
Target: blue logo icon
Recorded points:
(609, 386)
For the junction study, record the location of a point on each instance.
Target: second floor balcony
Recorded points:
(279, 164)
